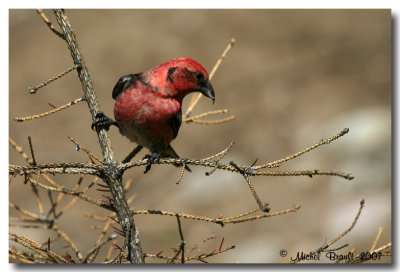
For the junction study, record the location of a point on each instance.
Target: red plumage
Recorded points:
(148, 105)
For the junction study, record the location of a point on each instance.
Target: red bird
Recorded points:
(148, 105)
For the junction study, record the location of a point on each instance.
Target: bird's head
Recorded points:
(179, 77)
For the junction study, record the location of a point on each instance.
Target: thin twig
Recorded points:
(40, 115)
(220, 221)
(244, 214)
(111, 248)
(30, 162)
(49, 24)
(338, 248)
(181, 248)
(222, 242)
(31, 148)
(70, 192)
(194, 119)
(204, 256)
(53, 206)
(21, 257)
(50, 181)
(61, 196)
(183, 242)
(74, 200)
(24, 211)
(309, 173)
(308, 149)
(37, 248)
(20, 151)
(220, 154)
(253, 191)
(200, 257)
(196, 97)
(33, 90)
(378, 236)
(181, 174)
(190, 119)
(351, 226)
(96, 249)
(42, 227)
(99, 242)
(57, 168)
(214, 122)
(326, 245)
(249, 171)
(66, 238)
(95, 217)
(385, 250)
(36, 194)
(79, 147)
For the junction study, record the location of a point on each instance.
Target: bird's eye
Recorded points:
(199, 76)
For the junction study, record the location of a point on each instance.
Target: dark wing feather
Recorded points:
(123, 83)
(176, 121)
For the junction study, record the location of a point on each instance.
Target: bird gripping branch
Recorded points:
(148, 105)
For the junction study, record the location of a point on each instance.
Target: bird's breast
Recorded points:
(144, 116)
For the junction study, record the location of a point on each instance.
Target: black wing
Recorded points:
(123, 83)
(176, 121)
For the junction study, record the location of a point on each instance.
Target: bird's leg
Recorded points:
(102, 121)
(150, 159)
(132, 154)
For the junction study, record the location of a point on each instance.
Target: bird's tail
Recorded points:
(169, 152)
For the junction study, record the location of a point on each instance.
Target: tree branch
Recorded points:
(112, 176)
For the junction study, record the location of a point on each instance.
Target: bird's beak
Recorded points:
(208, 91)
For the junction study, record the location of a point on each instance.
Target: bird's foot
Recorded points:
(151, 158)
(102, 121)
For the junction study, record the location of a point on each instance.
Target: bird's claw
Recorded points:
(151, 158)
(102, 121)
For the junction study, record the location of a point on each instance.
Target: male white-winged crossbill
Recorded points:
(148, 105)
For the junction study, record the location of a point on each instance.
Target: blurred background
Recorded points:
(293, 78)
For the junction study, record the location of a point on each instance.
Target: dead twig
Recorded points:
(196, 97)
(40, 115)
(326, 245)
(33, 90)
(49, 24)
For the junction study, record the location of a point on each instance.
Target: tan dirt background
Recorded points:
(294, 77)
